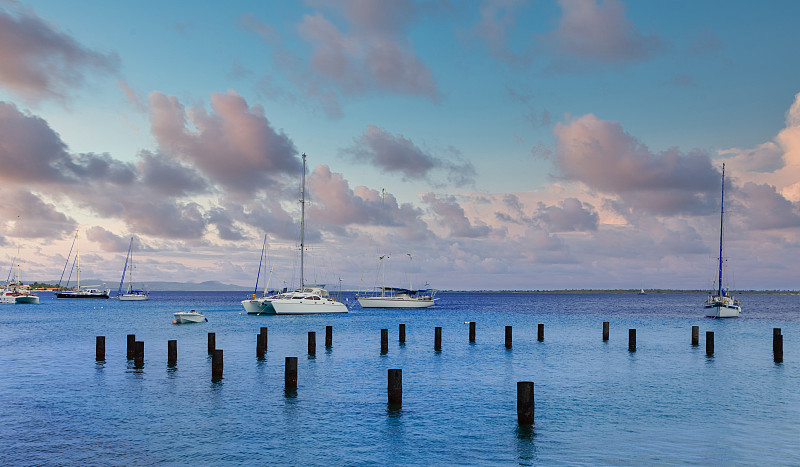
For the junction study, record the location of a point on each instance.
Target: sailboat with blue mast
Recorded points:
(722, 305)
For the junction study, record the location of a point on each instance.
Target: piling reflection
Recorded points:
(525, 445)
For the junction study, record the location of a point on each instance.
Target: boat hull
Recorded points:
(100, 295)
(132, 297)
(27, 299)
(389, 302)
(307, 307)
(258, 307)
(186, 317)
(722, 311)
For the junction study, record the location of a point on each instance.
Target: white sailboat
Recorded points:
(721, 305)
(130, 294)
(13, 292)
(263, 304)
(394, 297)
(308, 299)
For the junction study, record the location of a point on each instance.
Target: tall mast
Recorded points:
(721, 215)
(302, 220)
(383, 256)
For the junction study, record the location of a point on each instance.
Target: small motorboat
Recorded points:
(191, 316)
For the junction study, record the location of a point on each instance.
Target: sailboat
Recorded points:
(263, 304)
(13, 292)
(78, 292)
(393, 297)
(721, 305)
(308, 299)
(130, 294)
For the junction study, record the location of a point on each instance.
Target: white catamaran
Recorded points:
(130, 294)
(721, 305)
(308, 299)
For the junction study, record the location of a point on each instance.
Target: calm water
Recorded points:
(596, 403)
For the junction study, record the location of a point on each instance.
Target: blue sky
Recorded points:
(522, 145)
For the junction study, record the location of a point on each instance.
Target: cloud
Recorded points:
(39, 62)
(398, 154)
(108, 241)
(570, 216)
(765, 208)
(451, 215)
(168, 176)
(235, 146)
(603, 156)
(594, 33)
(26, 215)
(497, 20)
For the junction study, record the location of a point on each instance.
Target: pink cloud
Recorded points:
(39, 62)
(570, 215)
(597, 32)
(234, 146)
(450, 214)
(26, 215)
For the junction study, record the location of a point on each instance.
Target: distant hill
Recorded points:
(211, 286)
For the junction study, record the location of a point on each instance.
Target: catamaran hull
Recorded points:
(27, 299)
(258, 307)
(722, 311)
(307, 307)
(381, 302)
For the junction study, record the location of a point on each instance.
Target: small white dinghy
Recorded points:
(188, 317)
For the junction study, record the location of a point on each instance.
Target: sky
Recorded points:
(477, 145)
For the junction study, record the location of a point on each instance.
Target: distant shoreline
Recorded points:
(630, 291)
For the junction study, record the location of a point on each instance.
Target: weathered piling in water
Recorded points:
(437, 338)
(172, 352)
(605, 331)
(508, 337)
(525, 402)
(709, 342)
(395, 387)
(328, 336)
(472, 331)
(138, 354)
(260, 346)
(401, 333)
(777, 345)
(100, 348)
(216, 365)
(695, 336)
(384, 340)
(312, 343)
(290, 373)
(264, 333)
(632, 340)
(131, 346)
(540, 333)
(212, 343)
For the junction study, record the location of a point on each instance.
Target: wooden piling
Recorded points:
(216, 365)
(290, 374)
(472, 331)
(260, 346)
(100, 348)
(632, 340)
(312, 343)
(138, 355)
(777, 345)
(525, 402)
(172, 352)
(212, 343)
(384, 340)
(709, 343)
(131, 346)
(695, 336)
(437, 338)
(508, 337)
(264, 333)
(605, 331)
(540, 334)
(401, 333)
(395, 387)
(328, 336)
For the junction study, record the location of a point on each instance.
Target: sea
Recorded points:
(596, 402)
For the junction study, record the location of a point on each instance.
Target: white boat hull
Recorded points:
(722, 307)
(27, 299)
(258, 306)
(307, 306)
(132, 297)
(394, 302)
(188, 317)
